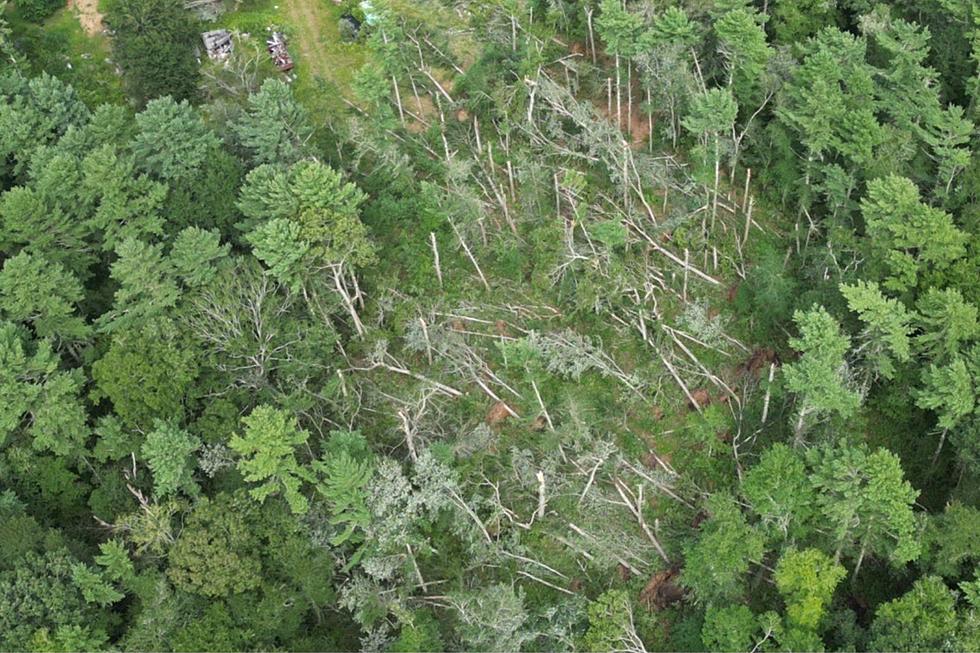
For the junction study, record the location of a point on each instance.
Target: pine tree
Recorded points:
(820, 376)
(268, 449)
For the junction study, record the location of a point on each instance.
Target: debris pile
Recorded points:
(276, 44)
(217, 43)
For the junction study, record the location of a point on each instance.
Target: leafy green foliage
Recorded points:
(267, 447)
(275, 129)
(610, 622)
(37, 10)
(38, 397)
(502, 465)
(924, 619)
(716, 565)
(820, 376)
(729, 628)
(865, 502)
(345, 476)
(147, 374)
(806, 579)
(310, 209)
(906, 234)
(40, 593)
(167, 450)
(216, 553)
(43, 294)
(154, 41)
(94, 588)
(779, 491)
(888, 326)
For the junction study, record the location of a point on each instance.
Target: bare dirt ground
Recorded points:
(88, 15)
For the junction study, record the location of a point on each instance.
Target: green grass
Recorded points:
(253, 16)
(325, 66)
(61, 48)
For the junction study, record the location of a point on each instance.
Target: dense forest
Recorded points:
(494, 325)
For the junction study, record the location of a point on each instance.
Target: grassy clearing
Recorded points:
(325, 65)
(61, 48)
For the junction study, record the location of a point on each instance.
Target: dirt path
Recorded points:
(88, 15)
(311, 23)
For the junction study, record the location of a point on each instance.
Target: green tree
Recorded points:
(806, 580)
(905, 235)
(33, 113)
(345, 476)
(275, 128)
(154, 40)
(948, 322)
(147, 374)
(729, 628)
(44, 295)
(611, 625)
(173, 143)
(305, 221)
(7, 53)
(780, 493)
(43, 218)
(147, 287)
(67, 639)
(197, 255)
(865, 502)
(949, 391)
(127, 203)
(924, 619)
(37, 10)
(93, 586)
(820, 376)
(743, 48)
(793, 21)
(40, 593)
(167, 450)
(829, 107)
(217, 553)
(885, 339)
(268, 450)
(37, 396)
(951, 541)
(716, 563)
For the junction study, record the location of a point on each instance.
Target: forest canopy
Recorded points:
(539, 325)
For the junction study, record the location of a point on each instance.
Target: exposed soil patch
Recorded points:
(88, 15)
(497, 413)
(661, 591)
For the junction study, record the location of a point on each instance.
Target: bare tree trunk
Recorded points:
(435, 254)
(629, 97)
(345, 297)
(398, 100)
(619, 97)
(714, 202)
(544, 410)
(469, 254)
(588, 20)
(542, 498)
(939, 449)
(765, 402)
